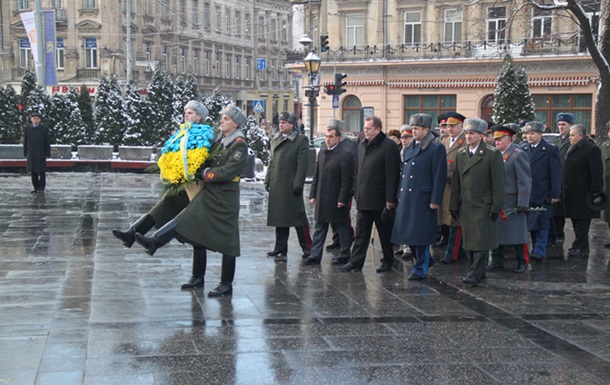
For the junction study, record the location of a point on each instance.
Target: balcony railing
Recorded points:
(88, 73)
(462, 50)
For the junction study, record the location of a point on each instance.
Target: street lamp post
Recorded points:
(312, 66)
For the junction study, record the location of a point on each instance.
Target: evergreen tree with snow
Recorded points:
(160, 98)
(77, 133)
(58, 119)
(136, 110)
(512, 99)
(37, 100)
(111, 121)
(10, 118)
(28, 83)
(214, 103)
(85, 105)
(257, 139)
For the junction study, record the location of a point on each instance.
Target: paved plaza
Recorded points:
(76, 307)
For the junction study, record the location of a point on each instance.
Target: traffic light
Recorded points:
(329, 89)
(324, 43)
(339, 83)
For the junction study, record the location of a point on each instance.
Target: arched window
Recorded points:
(352, 113)
(487, 108)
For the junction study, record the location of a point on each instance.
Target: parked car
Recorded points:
(548, 136)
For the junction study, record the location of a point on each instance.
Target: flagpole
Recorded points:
(40, 70)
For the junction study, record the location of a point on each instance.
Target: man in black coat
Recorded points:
(582, 175)
(377, 175)
(37, 148)
(331, 190)
(565, 120)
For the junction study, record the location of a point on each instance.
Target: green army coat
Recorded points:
(477, 189)
(605, 149)
(452, 151)
(287, 171)
(211, 219)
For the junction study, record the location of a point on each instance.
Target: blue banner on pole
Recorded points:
(49, 47)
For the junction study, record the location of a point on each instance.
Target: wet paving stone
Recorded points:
(76, 307)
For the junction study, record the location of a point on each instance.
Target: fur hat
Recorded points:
(421, 120)
(234, 113)
(534, 127)
(288, 117)
(198, 107)
(565, 117)
(336, 123)
(476, 125)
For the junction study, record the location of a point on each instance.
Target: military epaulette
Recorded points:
(239, 139)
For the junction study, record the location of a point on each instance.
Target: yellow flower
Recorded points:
(172, 167)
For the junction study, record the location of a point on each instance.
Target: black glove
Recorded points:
(521, 209)
(297, 190)
(493, 216)
(267, 187)
(454, 214)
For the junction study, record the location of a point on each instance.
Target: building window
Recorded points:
(248, 67)
(147, 53)
(217, 18)
(183, 60)
(453, 26)
(272, 30)
(284, 31)
(23, 5)
(227, 21)
(182, 10)
(352, 110)
(165, 58)
(412, 28)
(88, 4)
(59, 57)
(91, 52)
(542, 24)
(237, 23)
(206, 15)
(592, 10)
(548, 106)
(353, 29)
(207, 63)
(217, 64)
(228, 66)
(496, 24)
(261, 27)
(237, 67)
(284, 74)
(195, 13)
(428, 104)
(196, 62)
(25, 51)
(164, 8)
(247, 24)
(273, 69)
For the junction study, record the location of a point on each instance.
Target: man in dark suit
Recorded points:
(420, 193)
(545, 166)
(37, 148)
(512, 229)
(565, 120)
(582, 175)
(477, 197)
(331, 189)
(377, 174)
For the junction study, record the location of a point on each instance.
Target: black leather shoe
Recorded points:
(340, 261)
(492, 267)
(275, 253)
(520, 269)
(349, 267)
(311, 261)
(577, 253)
(333, 246)
(413, 277)
(447, 261)
(194, 282)
(537, 257)
(305, 254)
(384, 267)
(281, 257)
(607, 245)
(441, 243)
(470, 281)
(220, 290)
(33, 191)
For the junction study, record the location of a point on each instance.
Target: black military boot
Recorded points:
(159, 238)
(142, 225)
(226, 278)
(199, 265)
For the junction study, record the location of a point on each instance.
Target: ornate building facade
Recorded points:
(223, 43)
(404, 57)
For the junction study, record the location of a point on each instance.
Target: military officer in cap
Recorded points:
(36, 149)
(565, 120)
(545, 166)
(420, 193)
(512, 229)
(477, 197)
(285, 180)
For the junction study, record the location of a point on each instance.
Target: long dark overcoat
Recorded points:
(582, 174)
(331, 184)
(377, 174)
(518, 186)
(36, 147)
(287, 171)
(211, 219)
(477, 190)
(605, 151)
(422, 182)
(545, 166)
(562, 143)
(452, 150)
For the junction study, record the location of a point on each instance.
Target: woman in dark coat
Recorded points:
(210, 221)
(37, 148)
